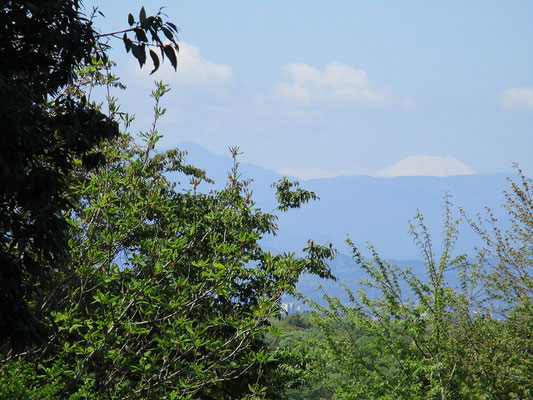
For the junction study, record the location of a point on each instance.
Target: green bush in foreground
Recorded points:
(435, 341)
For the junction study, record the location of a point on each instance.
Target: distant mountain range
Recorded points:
(364, 208)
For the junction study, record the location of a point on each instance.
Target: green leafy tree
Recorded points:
(44, 130)
(508, 248)
(421, 338)
(169, 294)
(499, 340)
(396, 344)
(303, 358)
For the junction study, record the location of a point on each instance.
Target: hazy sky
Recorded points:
(316, 88)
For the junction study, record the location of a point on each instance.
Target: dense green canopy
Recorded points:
(44, 130)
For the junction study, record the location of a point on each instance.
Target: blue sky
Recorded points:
(318, 89)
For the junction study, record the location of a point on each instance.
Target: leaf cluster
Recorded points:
(141, 44)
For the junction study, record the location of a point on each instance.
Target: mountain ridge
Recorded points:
(364, 208)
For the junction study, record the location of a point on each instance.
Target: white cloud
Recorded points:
(193, 69)
(519, 99)
(293, 93)
(426, 166)
(337, 82)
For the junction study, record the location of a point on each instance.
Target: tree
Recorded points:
(418, 337)
(397, 343)
(500, 341)
(44, 130)
(508, 252)
(169, 294)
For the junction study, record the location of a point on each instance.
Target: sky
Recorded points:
(319, 89)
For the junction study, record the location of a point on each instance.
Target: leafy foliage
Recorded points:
(42, 45)
(304, 358)
(44, 130)
(141, 44)
(291, 199)
(434, 341)
(508, 253)
(151, 290)
(169, 293)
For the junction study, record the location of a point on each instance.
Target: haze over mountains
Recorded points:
(364, 208)
(422, 165)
